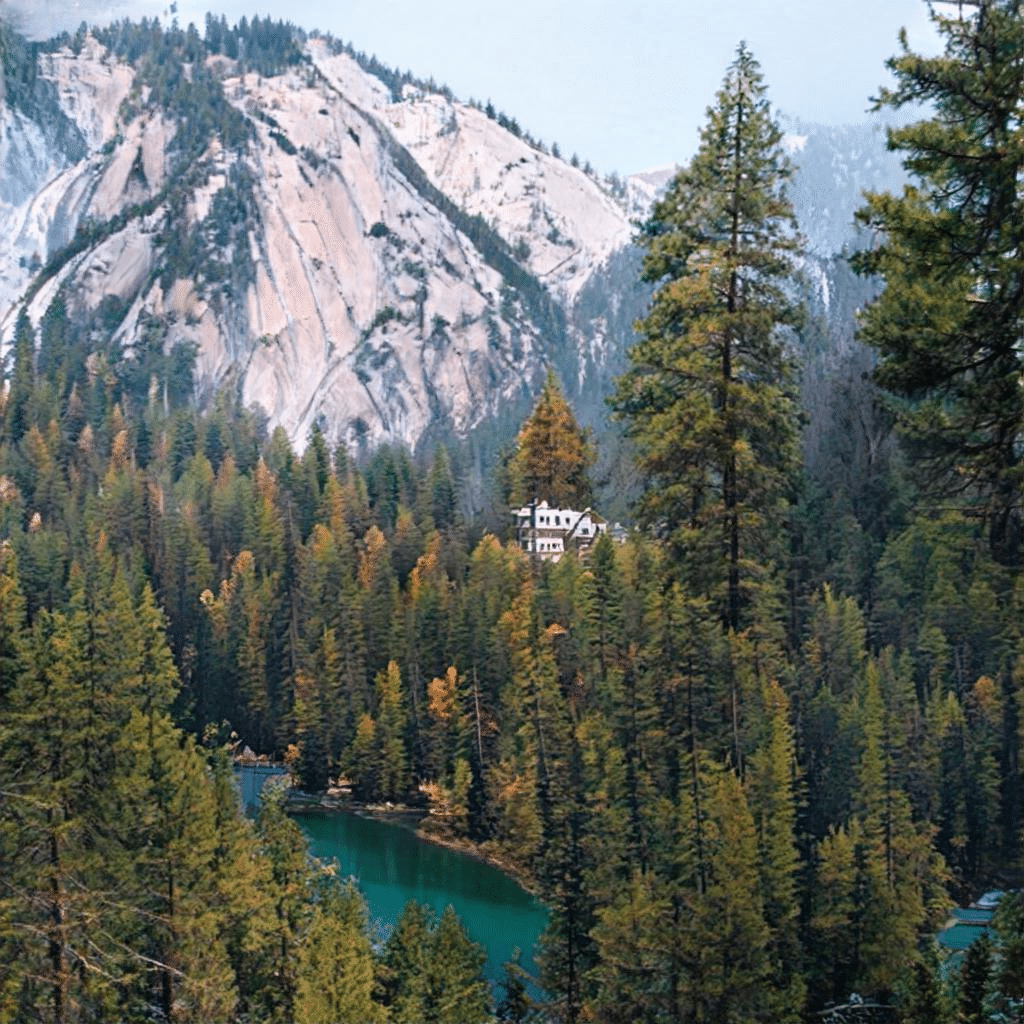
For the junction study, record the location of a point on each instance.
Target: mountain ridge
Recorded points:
(373, 257)
(356, 312)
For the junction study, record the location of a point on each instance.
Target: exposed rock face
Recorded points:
(386, 269)
(390, 267)
(48, 146)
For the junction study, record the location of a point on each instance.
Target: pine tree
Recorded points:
(923, 1002)
(251, 598)
(285, 847)
(732, 978)
(363, 769)
(244, 887)
(899, 872)
(515, 1005)
(21, 382)
(312, 722)
(635, 945)
(172, 840)
(331, 614)
(440, 495)
(392, 716)
(607, 610)
(53, 859)
(405, 964)
(772, 787)
(14, 947)
(459, 994)
(379, 598)
(433, 972)
(427, 610)
(1009, 970)
(833, 666)
(336, 976)
(496, 575)
(553, 454)
(108, 832)
(951, 252)
(709, 396)
(975, 976)
(12, 621)
(832, 970)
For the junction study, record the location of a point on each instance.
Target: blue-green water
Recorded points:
(251, 778)
(393, 866)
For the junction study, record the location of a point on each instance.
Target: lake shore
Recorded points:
(417, 820)
(482, 852)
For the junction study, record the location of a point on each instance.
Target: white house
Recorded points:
(549, 532)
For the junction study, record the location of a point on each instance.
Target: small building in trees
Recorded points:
(548, 532)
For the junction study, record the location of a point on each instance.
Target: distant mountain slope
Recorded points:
(835, 166)
(346, 248)
(384, 268)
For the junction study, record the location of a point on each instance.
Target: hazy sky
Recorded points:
(624, 83)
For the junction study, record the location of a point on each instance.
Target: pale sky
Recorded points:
(623, 83)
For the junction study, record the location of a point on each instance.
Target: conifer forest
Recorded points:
(750, 755)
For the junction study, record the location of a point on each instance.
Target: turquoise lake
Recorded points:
(393, 866)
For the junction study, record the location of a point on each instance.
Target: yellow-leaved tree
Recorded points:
(553, 454)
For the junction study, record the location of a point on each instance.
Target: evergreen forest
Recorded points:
(749, 758)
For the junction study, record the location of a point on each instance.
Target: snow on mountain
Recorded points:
(835, 165)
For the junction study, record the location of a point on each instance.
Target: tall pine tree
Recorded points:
(709, 397)
(951, 252)
(553, 454)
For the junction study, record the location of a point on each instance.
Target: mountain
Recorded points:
(380, 259)
(340, 244)
(835, 165)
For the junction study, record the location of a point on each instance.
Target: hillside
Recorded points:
(387, 266)
(748, 752)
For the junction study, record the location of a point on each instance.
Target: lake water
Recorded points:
(251, 778)
(393, 866)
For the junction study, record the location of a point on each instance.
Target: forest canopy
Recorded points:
(749, 758)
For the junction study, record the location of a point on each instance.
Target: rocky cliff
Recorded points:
(340, 244)
(385, 261)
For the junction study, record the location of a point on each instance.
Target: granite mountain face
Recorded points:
(343, 247)
(386, 263)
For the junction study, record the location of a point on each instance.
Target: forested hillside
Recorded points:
(749, 758)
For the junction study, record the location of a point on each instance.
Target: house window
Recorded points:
(558, 520)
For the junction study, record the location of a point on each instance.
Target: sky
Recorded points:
(623, 83)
